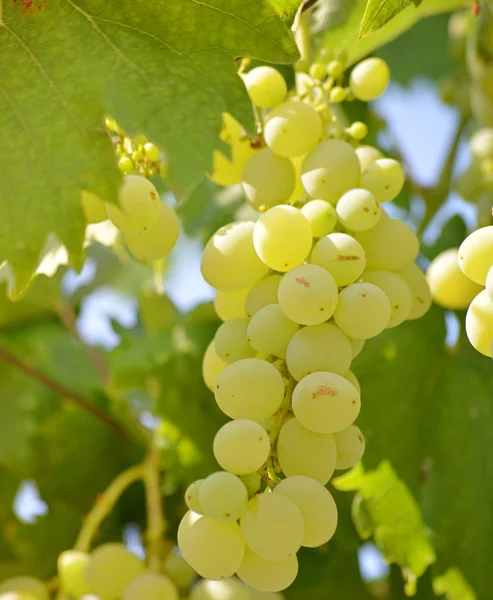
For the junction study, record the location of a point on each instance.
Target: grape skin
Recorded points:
(186, 524)
(111, 568)
(292, 129)
(267, 179)
(139, 206)
(479, 323)
(358, 210)
(369, 79)
(25, 584)
(396, 290)
(223, 496)
(476, 254)
(157, 241)
(264, 292)
(341, 255)
(265, 86)
(226, 589)
(363, 311)
(151, 586)
(241, 446)
(212, 365)
(192, 496)
(351, 377)
(231, 343)
(266, 575)
(231, 304)
(416, 280)
(72, 565)
(367, 155)
(489, 283)
(384, 178)
(350, 447)
(322, 217)
(270, 331)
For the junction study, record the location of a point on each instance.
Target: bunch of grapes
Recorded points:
(322, 269)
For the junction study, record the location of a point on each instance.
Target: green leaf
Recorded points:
(286, 9)
(165, 68)
(380, 12)
(453, 584)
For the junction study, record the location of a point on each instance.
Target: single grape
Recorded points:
(178, 570)
(476, 254)
(151, 151)
(226, 589)
(308, 294)
(264, 292)
(479, 323)
(126, 165)
(325, 402)
(321, 347)
(139, 206)
(270, 331)
(384, 178)
(337, 94)
(231, 341)
(356, 346)
(229, 261)
(265, 86)
(489, 283)
(416, 280)
(322, 217)
(25, 584)
(186, 524)
(317, 507)
(250, 388)
(282, 238)
(267, 179)
(111, 568)
(93, 207)
(369, 79)
(358, 210)
(158, 241)
(272, 527)
(363, 311)
(318, 71)
(252, 482)
(396, 290)
(304, 452)
(358, 130)
(351, 377)
(192, 497)
(341, 255)
(335, 68)
(223, 496)
(212, 365)
(481, 143)
(329, 170)
(266, 575)
(350, 447)
(367, 155)
(151, 586)
(241, 446)
(292, 128)
(72, 566)
(230, 304)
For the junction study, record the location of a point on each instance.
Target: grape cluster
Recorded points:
(300, 289)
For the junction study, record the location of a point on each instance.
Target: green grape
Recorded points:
(292, 128)
(350, 447)
(318, 348)
(213, 548)
(325, 402)
(367, 155)
(266, 575)
(139, 206)
(265, 86)
(25, 584)
(479, 323)
(489, 282)
(363, 311)
(358, 210)
(241, 446)
(481, 143)
(192, 497)
(384, 178)
(308, 294)
(264, 292)
(270, 330)
(390, 245)
(304, 452)
(151, 152)
(341, 255)
(267, 179)
(351, 377)
(416, 280)
(223, 496)
(93, 207)
(178, 570)
(230, 304)
(17, 596)
(369, 79)
(356, 346)
(449, 287)
(318, 71)
(329, 170)
(476, 254)
(126, 165)
(282, 238)
(272, 527)
(317, 507)
(151, 586)
(337, 94)
(157, 242)
(231, 341)
(72, 566)
(252, 482)
(396, 290)
(111, 568)
(358, 130)
(250, 388)
(227, 589)
(229, 261)
(322, 217)
(186, 524)
(212, 365)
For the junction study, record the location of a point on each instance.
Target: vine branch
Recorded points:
(156, 524)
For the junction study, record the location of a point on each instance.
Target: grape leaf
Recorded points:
(165, 68)
(286, 9)
(379, 12)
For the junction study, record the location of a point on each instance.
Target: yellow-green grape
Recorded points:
(158, 241)
(325, 402)
(272, 527)
(329, 170)
(177, 568)
(93, 207)
(335, 68)
(267, 575)
(111, 568)
(25, 584)
(308, 294)
(270, 330)
(241, 446)
(416, 280)
(367, 155)
(227, 589)
(292, 128)
(250, 388)
(192, 497)
(341, 255)
(351, 377)
(113, 126)
(356, 346)
(479, 323)
(267, 179)
(321, 347)
(358, 130)
(397, 291)
(318, 71)
(231, 341)
(265, 86)
(72, 566)
(228, 170)
(17, 596)
(450, 288)
(304, 452)
(229, 261)
(384, 178)
(212, 365)
(252, 482)
(264, 292)
(369, 79)
(126, 165)
(139, 208)
(151, 586)
(322, 217)
(390, 245)
(337, 94)
(350, 447)
(230, 304)
(188, 521)
(151, 152)
(358, 210)
(481, 143)
(223, 496)
(476, 254)
(363, 311)
(282, 238)
(317, 507)
(489, 282)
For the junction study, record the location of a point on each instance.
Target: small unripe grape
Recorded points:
(358, 130)
(318, 71)
(151, 152)
(126, 165)
(335, 68)
(266, 86)
(337, 94)
(322, 217)
(369, 79)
